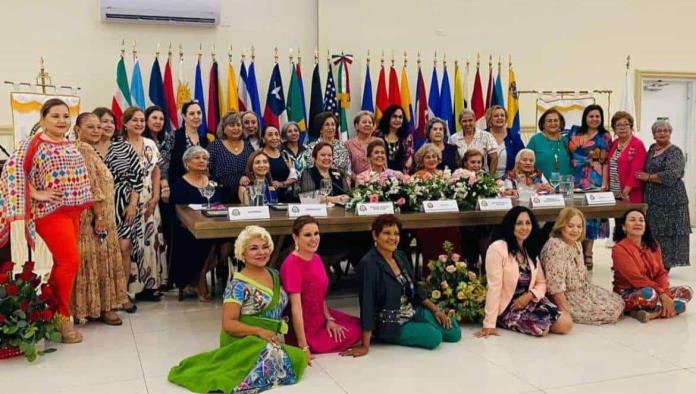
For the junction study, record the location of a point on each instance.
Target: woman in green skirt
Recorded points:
(250, 357)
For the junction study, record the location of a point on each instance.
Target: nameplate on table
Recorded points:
(495, 204)
(603, 198)
(436, 206)
(315, 210)
(248, 213)
(374, 208)
(548, 201)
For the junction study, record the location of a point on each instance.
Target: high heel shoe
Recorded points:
(68, 333)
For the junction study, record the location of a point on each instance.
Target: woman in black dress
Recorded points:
(190, 255)
(228, 156)
(393, 129)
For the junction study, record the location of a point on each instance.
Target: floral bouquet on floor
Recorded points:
(455, 289)
(469, 186)
(26, 316)
(374, 187)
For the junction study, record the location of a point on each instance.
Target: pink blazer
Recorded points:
(502, 272)
(631, 160)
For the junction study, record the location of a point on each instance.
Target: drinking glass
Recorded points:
(555, 180)
(325, 188)
(208, 191)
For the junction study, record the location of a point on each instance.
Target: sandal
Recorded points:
(68, 333)
(148, 295)
(589, 263)
(110, 318)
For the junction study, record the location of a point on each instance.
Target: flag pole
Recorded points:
(135, 51)
(405, 59)
(253, 54)
(157, 52)
(299, 57)
(275, 55)
(381, 60)
(200, 52)
(368, 57)
(212, 52)
(123, 47)
(292, 59)
(181, 52)
(316, 56)
(499, 65)
(435, 60)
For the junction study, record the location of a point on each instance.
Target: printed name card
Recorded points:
(548, 201)
(315, 210)
(374, 208)
(495, 204)
(435, 206)
(248, 213)
(603, 198)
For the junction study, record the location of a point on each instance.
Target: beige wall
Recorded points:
(555, 44)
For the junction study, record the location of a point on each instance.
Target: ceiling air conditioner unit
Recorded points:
(179, 12)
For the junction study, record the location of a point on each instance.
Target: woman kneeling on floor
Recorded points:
(392, 307)
(250, 357)
(516, 285)
(640, 277)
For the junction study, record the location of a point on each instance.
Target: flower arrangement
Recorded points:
(408, 193)
(455, 289)
(26, 316)
(375, 187)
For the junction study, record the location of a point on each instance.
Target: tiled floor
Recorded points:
(629, 357)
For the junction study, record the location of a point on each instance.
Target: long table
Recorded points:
(339, 220)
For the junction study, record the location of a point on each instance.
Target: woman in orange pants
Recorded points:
(45, 183)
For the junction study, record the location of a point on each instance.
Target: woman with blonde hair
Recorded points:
(251, 357)
(567, 281)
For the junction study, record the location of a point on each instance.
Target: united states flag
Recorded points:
(330, 102)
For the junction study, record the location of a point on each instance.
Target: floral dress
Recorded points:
(150, 263)
(566, 273)
(536, 318)
(341, 157)
(246, 364)
(588, 157)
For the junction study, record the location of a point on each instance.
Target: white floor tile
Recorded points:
(675, 382)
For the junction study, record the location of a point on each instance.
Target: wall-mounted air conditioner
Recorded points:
(180, 12)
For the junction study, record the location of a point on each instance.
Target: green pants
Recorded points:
(425, 332)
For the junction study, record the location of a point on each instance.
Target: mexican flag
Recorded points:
(122, 96)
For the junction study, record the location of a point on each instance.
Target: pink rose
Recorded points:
(401, 201)
(455, 257)
(374, 198)
(472, 179)
(442, 258)
(406, 178)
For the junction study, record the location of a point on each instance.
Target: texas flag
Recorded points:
(274, 113)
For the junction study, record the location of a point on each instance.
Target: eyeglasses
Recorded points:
(622, 125)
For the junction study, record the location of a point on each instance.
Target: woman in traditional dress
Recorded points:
(250, 357)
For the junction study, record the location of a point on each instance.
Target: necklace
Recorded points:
(232, 148)
(556, 150)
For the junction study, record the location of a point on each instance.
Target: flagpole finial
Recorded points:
(135, 50)
(299, 56)
(435, 60)
(229, 54)
(243, 54)
(405, 58)
(328, 57)
(478, 59)
(292, 58)
(316, 56)
(253, 54)
(368, 57)
(392, 58)
(490, 61)
(509, 60)
(456, 64)
(499, 64)
(169, 51)
(275, 54)
(123, 47)
(418, 59)
(212, 52)
(157, 52)
(181, 51)
(628, 62)
(467, 62)
(381, 59)
(444, 59)
(200, 51)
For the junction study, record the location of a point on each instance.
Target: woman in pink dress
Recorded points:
(315, 327)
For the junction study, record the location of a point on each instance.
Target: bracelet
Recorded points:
(330, 318)
(305, 348)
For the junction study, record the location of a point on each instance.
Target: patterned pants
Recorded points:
(648, 299)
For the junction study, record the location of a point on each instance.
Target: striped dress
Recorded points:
(125, 166)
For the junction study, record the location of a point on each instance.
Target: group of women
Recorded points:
(112, 191)
(534, 287)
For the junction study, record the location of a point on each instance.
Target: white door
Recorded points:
(672, 100)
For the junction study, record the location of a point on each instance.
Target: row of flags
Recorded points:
(242, 94)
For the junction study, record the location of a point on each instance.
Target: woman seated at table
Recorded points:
(430, 240)
(322, 155)
(315, 327)
(478, 238)
(191, 258)
(393, 309)
(377, 157)
(250, 357)
(282, 171)
(567, 281)
(515, 299)
(435, 132)
(525, 173)
(257, 169)
(640, 277)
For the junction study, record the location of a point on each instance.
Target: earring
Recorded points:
(297, 248)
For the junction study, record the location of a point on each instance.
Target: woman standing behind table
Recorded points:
(364, 123)
(191, 258)
(282, 171)
(509, 143)
(550, 146)
(393, 130)
(471, 137)
(435, 132)
(316, 327)
(149, 250)
(292, 149)
(589, 147)
(100, 286)
(186, 137)
(229, 155)
(45, 183)
(327, 124)
(516, 296)
(393, 309)
(665, 194)
(567, 280)
(251, 358)
(127, 170)
(639, 274)
(252, 129)
(626, 159)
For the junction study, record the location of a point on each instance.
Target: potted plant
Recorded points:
(27, 316)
